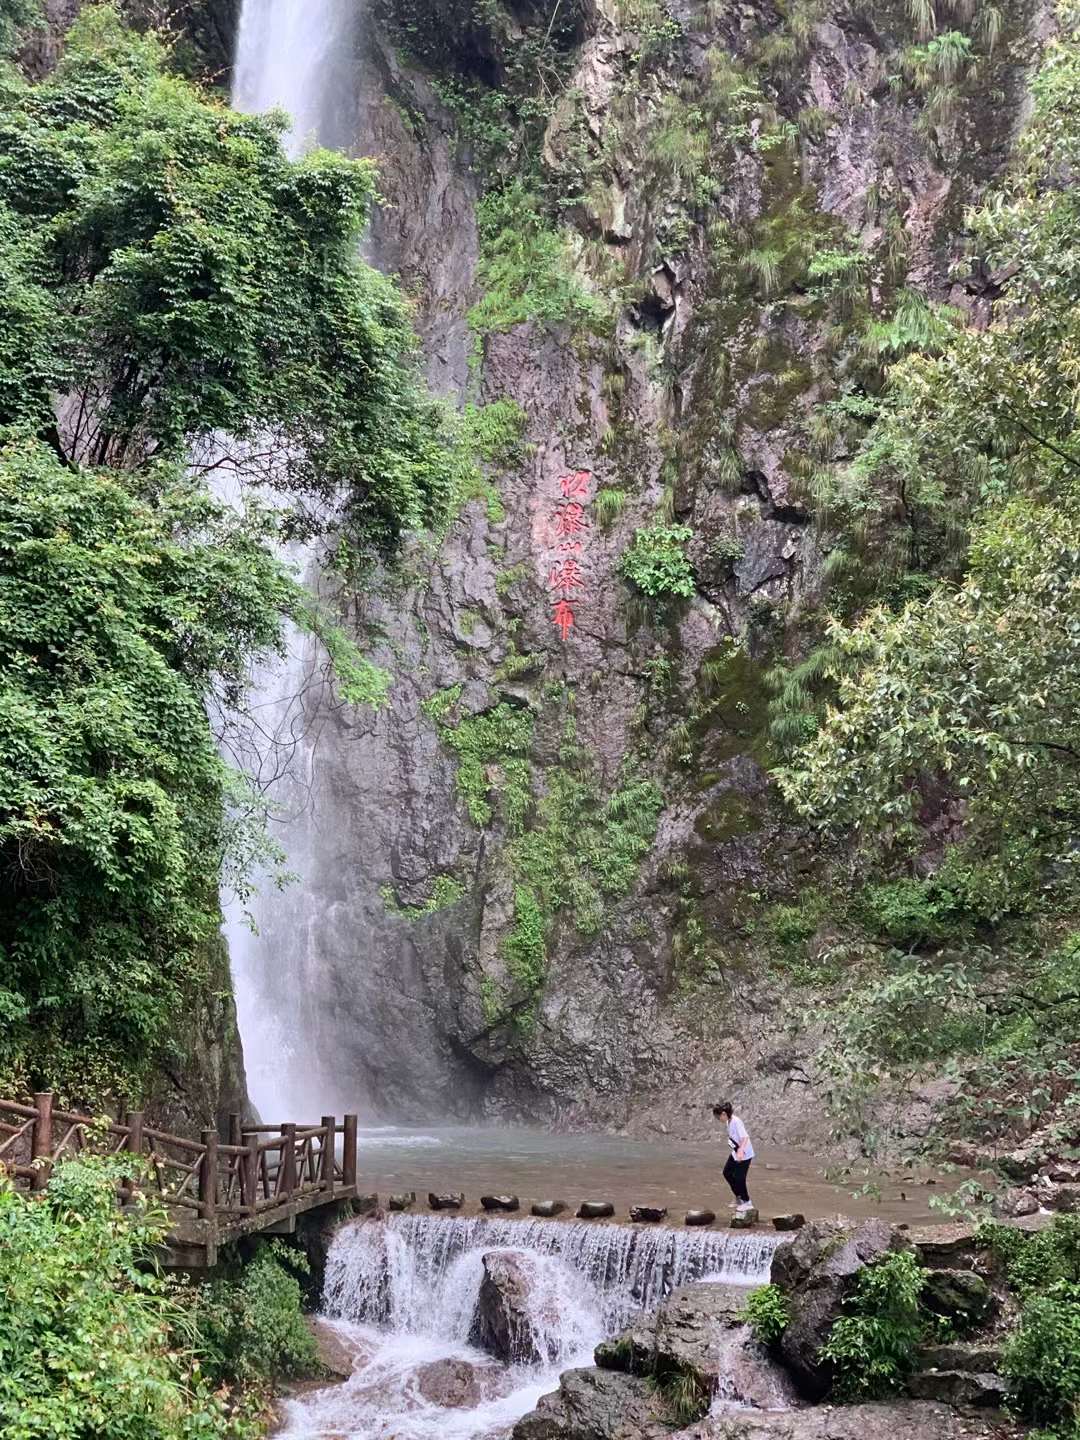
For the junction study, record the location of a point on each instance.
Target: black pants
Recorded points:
(735, 1173)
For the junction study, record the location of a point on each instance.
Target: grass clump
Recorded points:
(525, 268)
(492, 749)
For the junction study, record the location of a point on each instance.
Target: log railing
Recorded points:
(261, 1168)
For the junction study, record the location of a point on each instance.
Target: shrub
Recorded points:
(873, 1346)
(92, 1342)
(767, 1313)
(1042, 1360)
(656, 562)
(250, 1326)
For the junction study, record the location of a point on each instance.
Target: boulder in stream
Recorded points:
(890, 1420)
(504, 1203)
(458, 1384)
(794, 1221)
(700, 1217)
(817, 1270)
(402, 1202)
(504, 1323)
(597, 1405)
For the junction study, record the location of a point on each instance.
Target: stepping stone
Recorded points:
(788, 1222)
(547, 1209)
(650, 1213)
(401, 1202)
(450, 1200)
(700, 1217)
(506, 1203)
(595, 1210)
(744, 1219)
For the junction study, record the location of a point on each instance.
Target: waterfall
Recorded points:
(421, 1274)
(294, 55)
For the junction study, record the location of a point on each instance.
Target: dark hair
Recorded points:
(725, 1107)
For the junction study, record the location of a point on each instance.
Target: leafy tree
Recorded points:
(195, 283)
(179, 301)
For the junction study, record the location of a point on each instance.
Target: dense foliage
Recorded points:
(873, 1346)
(1042, 1357)
(947, 744)
(181, 305)
(95, 1342)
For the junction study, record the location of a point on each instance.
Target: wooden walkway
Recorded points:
(258, 1182)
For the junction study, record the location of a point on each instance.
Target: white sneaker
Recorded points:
(743, 1206)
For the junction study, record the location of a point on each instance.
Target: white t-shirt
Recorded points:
(738, 1135)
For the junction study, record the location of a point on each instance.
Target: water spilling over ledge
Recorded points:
(422, 1273)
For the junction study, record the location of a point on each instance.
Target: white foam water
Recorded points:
(403, 1292)
(415, 1273)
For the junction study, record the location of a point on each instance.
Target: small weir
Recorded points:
(422, 1272)
(402, 1294)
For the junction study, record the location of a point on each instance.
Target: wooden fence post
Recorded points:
(326, 1159)
(236, 1129)
(287, 1167)
(133, 1142)
(249, 1175)
(134, 1122)
(208, 1176)
(41, 1140)
(348, 1153)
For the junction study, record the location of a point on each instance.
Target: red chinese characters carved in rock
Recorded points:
(569, 530)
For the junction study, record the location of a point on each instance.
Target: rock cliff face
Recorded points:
(658, 251)
(555, 857)
(550, 871)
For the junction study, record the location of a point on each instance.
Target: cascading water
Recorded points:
(292, 55)
(403, 1293)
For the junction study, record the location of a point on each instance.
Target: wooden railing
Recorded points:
(260, 1169)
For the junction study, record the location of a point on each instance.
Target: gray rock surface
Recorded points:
(457, 1384)
(961, 1388)
(597, 1405)
(817, 1270)
(959, 1296)
(898, 1420)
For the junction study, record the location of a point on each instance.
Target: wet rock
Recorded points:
(547, 1209)
(1063, 1174)
(597, 1405)
(1021, 1165)
(789, 1222)
(339, 1352)
(744, 1219)
(1064, 1198)
(503, 1324)
(402, 1202)
(895, 1420)
(960, 1296)
(699, 1343)
(700, 1217)
(456, 1384)
(973, 1358)
(631, 1353)
(817, 1271)
(1016, 1202)
(505, 1203)
(448, 1200)
(364, 1204)
(651, 1214)
(944, 1245)
(959, 1388)
(595, 1210)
